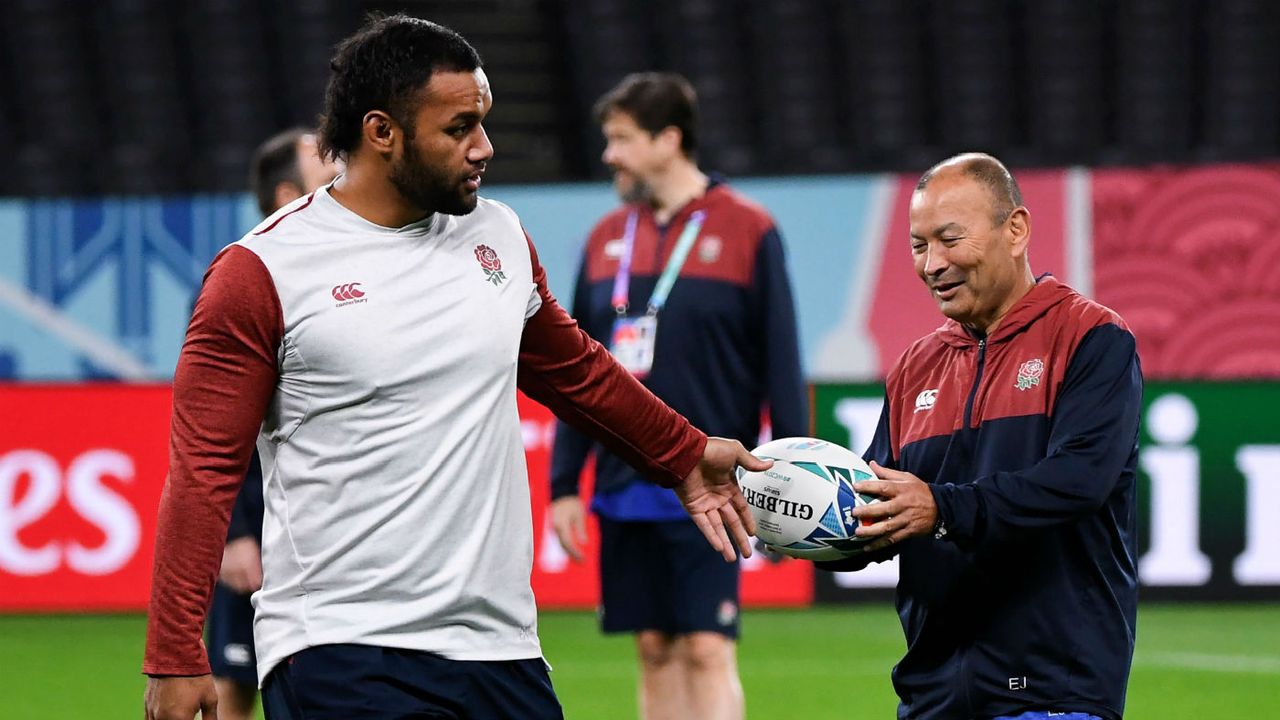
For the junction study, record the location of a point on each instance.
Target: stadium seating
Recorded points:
(144, 96)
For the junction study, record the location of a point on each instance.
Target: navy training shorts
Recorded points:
(364, 682)
(230, 637)
(664, 576)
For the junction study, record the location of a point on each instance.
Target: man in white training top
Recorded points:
(371, 336)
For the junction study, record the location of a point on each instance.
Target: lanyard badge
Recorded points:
(633, 338)
(633, 341)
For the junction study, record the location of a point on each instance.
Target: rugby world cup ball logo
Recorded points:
(490, 263)
(1029, 374)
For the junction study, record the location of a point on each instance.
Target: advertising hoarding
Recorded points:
(1208, 489)
(81, 471)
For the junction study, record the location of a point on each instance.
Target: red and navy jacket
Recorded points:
(1029, 440)
(726, 345)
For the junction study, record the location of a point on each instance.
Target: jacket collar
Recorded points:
(716, 186)
(1048, 291)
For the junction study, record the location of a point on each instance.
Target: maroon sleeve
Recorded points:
(225, 378)
(573, 375)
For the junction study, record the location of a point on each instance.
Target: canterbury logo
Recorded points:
(350, 291)
(348, 294)
(927, 399)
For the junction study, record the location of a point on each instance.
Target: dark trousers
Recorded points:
(358, 682)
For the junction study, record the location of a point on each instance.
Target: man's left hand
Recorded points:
(906, 508)
(711, 496)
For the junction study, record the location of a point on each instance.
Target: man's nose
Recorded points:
(483, 150)
(935, 260)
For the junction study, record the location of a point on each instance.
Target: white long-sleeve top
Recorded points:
(377, 369)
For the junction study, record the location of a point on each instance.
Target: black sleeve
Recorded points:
(881, 448)
(1092, 434)
(784, 379)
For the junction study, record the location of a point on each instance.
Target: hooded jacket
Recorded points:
(1026, 597)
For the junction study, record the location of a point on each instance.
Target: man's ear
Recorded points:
(380, 131)
(1018, 227)
(670, 138)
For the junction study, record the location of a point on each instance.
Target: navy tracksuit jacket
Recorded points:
(727, 342)
(1029, 440)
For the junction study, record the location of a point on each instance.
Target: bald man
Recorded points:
(1006, 455)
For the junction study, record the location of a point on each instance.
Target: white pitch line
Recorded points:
(1263, 664)
(103, 352)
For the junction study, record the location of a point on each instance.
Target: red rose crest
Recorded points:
(1029, 374)
(490, 263)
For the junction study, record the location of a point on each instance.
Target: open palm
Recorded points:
(711, 496)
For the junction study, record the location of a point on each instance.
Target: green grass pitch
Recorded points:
(1201, 662)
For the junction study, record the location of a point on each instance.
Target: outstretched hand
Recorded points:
(906, 508)
(711, 496)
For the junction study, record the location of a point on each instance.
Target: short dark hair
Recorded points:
(275, 161)
(384, 66)
(656, 101)
(1006, 196)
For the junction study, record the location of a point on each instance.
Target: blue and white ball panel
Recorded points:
(803, 505)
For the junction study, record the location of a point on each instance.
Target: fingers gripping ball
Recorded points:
(803, 505)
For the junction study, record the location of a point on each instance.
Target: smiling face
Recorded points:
(440, 163)
(972, 260)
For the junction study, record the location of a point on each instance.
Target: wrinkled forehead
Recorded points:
(951, 198)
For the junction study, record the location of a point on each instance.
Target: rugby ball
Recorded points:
(803, 505)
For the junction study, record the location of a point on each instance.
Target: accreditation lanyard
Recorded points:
(633, 338)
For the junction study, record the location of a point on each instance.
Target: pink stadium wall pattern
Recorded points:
(1189, 256)
(1191, 259)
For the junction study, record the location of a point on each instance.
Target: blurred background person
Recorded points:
(285, 167)
(683, 282)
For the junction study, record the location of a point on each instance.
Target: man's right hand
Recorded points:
(570, 523)
(242, 566)
(711, 496)
(180, 698)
